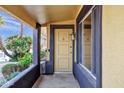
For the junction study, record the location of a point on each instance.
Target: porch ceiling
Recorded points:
(52, 13)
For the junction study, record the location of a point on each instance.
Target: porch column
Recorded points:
(36, 45)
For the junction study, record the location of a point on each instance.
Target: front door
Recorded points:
(63, 50)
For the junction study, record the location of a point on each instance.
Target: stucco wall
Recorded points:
(113, 46)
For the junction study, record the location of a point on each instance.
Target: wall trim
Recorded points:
(99, 47)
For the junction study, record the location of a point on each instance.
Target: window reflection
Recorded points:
(87, 42)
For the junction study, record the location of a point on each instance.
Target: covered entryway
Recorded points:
(64, 46)
(63, 50)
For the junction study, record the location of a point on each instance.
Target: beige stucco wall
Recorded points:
(113, 46)
(20, 13)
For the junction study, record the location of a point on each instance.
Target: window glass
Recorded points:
(75, 57)
(16, 42)
(87, 42)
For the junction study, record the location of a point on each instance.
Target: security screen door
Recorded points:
(63, 50)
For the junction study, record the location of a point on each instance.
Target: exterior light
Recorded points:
(73, 36)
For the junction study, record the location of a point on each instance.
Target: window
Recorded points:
(16, 47)
(86, 41)
(88, 48)
(43, 47)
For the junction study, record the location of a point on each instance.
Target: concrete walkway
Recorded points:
(59, 80)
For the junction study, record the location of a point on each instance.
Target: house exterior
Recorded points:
(90, 45)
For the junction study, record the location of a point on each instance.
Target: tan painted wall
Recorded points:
(113, 46)
(20, 13)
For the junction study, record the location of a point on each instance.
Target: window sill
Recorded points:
(91, 78)
(88, 71)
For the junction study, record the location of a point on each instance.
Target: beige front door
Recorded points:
(63, 50)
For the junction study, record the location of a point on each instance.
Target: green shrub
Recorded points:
(12, 75)
(26, 60)
(9, 71)
(18, 46)
(42, 54)
(2, 81)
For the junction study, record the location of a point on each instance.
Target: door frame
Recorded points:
(52, 43)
